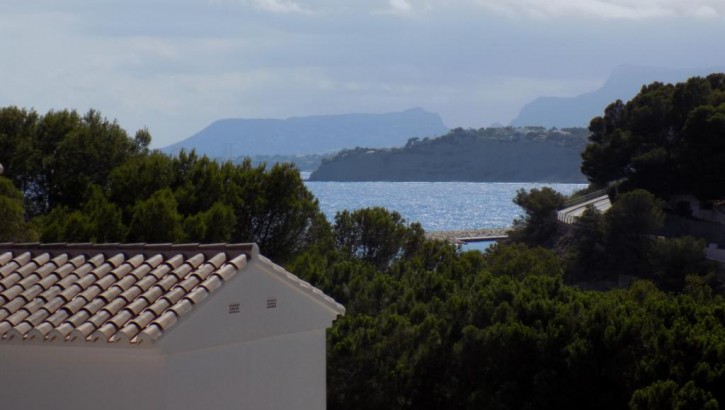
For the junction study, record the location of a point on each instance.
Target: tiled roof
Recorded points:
(123, 294)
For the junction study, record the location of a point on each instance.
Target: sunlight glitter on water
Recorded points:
(438, 206)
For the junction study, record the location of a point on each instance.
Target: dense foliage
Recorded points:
(433, 328)
(84, 179)
(538, 223)
(12, 213)
(669, 139)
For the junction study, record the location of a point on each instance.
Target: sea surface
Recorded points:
(438, 206)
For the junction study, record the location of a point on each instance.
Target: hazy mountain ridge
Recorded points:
(310, 135)
(624, 83)
(531, 154)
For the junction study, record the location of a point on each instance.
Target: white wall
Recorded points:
(65, 377)
(281, 373)
(213, 324)
(267, 353)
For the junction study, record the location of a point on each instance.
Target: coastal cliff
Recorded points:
(528, 154)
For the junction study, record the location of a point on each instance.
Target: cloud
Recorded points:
(705, 11)
(400, 6)
(279, 6)
(603, 9)
(606, 9)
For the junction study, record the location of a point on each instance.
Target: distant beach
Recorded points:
(469, 235)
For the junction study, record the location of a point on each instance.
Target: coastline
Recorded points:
(469, 235)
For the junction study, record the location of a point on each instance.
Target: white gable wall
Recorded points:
(80, 377)
(258, 343)
(281, 373)
(259, 302)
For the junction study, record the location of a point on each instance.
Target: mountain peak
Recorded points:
(233, 137)
(624, 82)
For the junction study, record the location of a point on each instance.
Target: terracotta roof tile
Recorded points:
(149, 334)
(128, 332)
(159, 307)
(152, 294)
(211, 284)
(122, 317)
(105, 332)
(131, 294)
(31, 293)
(226, 272)
(175, 294)
(5, 257)
(78, 318)
(115, 293)
(166, 321)
(137, 306)
(182, 308)
(29, 280)
(197, 295)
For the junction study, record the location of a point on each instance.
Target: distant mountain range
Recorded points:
(624, 83)
(231, 138)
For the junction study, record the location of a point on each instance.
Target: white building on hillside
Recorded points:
(158, 327)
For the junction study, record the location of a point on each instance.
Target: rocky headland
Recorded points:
(508, 154)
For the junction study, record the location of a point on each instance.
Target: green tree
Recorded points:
(587, 253)
(55, 158)
(517, 260)
(138, 178)
(104, 216)
(628, 225)
(142, 140)
(13, 227)
(156, 219)
(211, 226)
(17, 128)
(272, 207)
(64, 225)
(85, 156)
(666, 394)
(199, 183)
(98, 220)
(673, 259)
(538, 224)
(703, 151)
(667, 140)
(374, 235)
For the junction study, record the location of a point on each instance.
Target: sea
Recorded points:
(438, 206)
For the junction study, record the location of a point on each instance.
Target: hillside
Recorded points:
(509, 154)
(623, 84)
(231, 138)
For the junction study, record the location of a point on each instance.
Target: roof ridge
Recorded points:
(304, 286)
(77, 248)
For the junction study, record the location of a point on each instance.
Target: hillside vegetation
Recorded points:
(531, 154)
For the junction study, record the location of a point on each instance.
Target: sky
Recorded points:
(175, 66)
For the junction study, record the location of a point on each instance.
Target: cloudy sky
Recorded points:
(174, 66)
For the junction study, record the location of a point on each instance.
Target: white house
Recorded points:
(142, 326)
